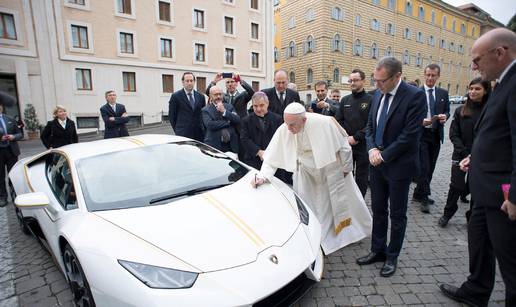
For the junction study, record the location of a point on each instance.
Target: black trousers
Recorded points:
(7, 161)
(490, 235)
(388, 199)
(361, 166)
(458, 188)
(428, 154)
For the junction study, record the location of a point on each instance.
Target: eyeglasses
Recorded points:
(382, 82)
(354, 80)
(477, 59)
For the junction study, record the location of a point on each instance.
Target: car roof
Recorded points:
(94, 148)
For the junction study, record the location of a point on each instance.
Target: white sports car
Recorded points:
(160, 220)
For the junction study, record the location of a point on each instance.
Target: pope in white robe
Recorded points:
(315, 148)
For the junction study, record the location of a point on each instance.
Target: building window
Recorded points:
(292, 77)
(126, 43)
(406, 57)
(433, 17)
(418, 60)
(309, 76)
(166, 48)
(310, 15)
(429, 59)
(473, 32)
(129, 80)
(375, 25)
(198, 19)
(291, 50)
(336, 75)
(7, 27)
(419, 37)
(78, 2)
(229, 56)
(461, 49)
(408, 8)
(454, 24)
(83, 79)
(421, 13)
(390, 4)
(87, 122)
(451, 47)
(357, 48)
(374, 51)
(444, 22)
(431, 40)
(164, 11)
(80, 37)
(255, 60)
(254, 4)
(389, 29)
(254, 30)
(229, 1)
(388, 51)
(228, 25)
(357, 20)
(124, 7)
(200, 52)
(291, 22)
(276, 55)
(168, 83)
(407, 34)
(310, 44)
(337, 13)
(463, 29)
(337, 44)
(201, 84)
(442, 45)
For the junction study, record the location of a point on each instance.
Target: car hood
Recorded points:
(215, 230)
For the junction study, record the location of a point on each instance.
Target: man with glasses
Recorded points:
(393, 133)
(492, 175)
(438, 107)
(352, 116)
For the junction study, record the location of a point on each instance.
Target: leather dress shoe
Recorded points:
(454, 293)
(443, 221)
(425, 208)
(389, 268)
(370, 258)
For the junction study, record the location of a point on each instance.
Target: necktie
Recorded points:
(378, 137)
(281, 97)
(431, 101)
(231, 99)
(4, 131)
(191, 100)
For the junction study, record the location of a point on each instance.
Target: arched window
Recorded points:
(418, 60)
(408, 8)
(357, 20)
(452, 47)
(357, 48)
(292, 77)
(276, 55)
(433, 17)
(388, 51)
(291, 49)
(421, 13)
(406, 57)
(374, 51)
(431, 40)
(291, 22)
(389, 29)
(454, 24)
(390, 4)
(337, 43)
(309, 76)
(375, 25)
(310, 44)
(444, 22)
(337, 13)
(310, 15)
(420, 37)
(407, 33)
(473, 31)
(336, 75)
(462, 28)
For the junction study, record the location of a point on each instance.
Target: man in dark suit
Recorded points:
(492, 224)
(438, 107)
(258, 129)
(279, 95)
(393, 132)
(232, 96)
(9, 150)
(184, 110)
(220, 120)
(114, 116)
(322, 104)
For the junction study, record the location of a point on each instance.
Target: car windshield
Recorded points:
(154, 175)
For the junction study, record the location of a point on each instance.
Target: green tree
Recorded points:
(31, 118)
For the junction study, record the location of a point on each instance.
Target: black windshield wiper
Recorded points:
(188, 193)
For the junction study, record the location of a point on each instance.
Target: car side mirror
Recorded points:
(36, 200)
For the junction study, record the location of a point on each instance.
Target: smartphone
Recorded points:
(227, 75)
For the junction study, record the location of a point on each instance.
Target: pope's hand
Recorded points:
(256, 182)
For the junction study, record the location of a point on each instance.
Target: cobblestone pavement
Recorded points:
(431, 255)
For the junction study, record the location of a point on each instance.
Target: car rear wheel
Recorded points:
(77, 279)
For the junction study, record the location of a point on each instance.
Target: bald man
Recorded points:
(492, 164)
(280, 95)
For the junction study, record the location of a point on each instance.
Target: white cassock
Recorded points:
(319, 155)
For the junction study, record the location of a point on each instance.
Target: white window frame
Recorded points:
(260, 60)
(135, 44)
(291, 22)
(194, 61)
(205, 20)
(173, 58)
(172, 10)
(168, 73)
(232, 3)
(251, 9)
(259, 31)
(224, 64)
(69, 24)
(85, 7)
(130, 16)
(224, 26)
(310, 14)
(338, 17)
(124, 93)
(20, 37)
(77, 91)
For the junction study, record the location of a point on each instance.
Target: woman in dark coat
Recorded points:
(461, 135)
(60, 131)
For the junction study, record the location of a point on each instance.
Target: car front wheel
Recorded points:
(77, 279)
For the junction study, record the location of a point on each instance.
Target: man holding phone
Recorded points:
(238, 100)
(433, 134)
(322, 104)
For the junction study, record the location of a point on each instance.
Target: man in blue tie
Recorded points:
(438, 111)
(393, 132)
(9, 150)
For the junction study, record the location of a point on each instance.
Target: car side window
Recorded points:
(60, 179)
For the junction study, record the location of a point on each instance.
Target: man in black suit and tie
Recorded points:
(9, 150)
(393, 133)
(114, 116)
(279, 95)
(438, 107)
(492, 224)
(232, 96)
(184, 110)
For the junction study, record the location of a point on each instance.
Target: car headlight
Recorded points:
(303, 213)
(158, 277)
